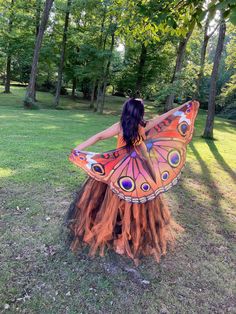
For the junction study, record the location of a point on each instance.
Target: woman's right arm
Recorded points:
(107, 133)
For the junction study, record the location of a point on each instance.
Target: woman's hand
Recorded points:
(79, 147)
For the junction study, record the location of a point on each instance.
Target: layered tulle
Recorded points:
(100, 219)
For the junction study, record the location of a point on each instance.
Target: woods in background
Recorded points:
(164, 51)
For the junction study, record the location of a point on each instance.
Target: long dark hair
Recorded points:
(131, 117)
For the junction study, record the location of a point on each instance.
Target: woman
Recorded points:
(99, 218)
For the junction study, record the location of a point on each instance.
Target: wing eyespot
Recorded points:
(98, 168)
(145, 187)
(174, 158)
(183, 127)
(165, 175)
(126, 183)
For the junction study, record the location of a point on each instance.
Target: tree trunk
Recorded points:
(107, 73)
(38, 15)
(8, 64)
(203, 55)
(63, 50)
(93, 94)
(74, 83)
(37, 25)
(101, 45)
(178, 67)
(99, 97)
(103, 96)
(142, 60)
(8, 75)
(208, 132)
(30, 93)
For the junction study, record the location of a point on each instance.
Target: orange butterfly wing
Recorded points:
(150, 168)
(149, 172)
(178, 125)
(99, 166)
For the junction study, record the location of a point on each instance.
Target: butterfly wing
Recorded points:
(99, 166)
(149, 171)
(128, 174)
(179, 124)
(150, 168)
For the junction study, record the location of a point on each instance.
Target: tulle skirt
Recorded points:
(100, 219)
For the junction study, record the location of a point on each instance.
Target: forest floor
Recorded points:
(38, 273)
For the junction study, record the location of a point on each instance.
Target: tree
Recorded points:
(208, 132)
(62, 58)
(227, 97)
(98, 83)
(29, 100)
(104, 79)
(9, 57)
(37, 17)
(141, 65)
(178, 66)
(206, 38)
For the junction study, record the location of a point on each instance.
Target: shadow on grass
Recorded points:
(219, 158)
(222, 125)
(203, 211)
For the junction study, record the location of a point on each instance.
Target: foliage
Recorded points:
(156, 24)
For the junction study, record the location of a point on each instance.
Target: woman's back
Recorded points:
(121, 142)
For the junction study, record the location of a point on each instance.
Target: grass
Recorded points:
(39, 274)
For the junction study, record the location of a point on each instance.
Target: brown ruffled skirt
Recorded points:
(100, 219)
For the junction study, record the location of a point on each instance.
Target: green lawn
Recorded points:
(39, 274)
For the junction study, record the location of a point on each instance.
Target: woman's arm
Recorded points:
(109, 132)
(157, 119)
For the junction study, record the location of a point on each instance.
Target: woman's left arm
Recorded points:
(109, 132)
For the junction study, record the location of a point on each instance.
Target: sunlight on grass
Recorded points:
(79, 115)
(30, 114)
(50, 127)
(7, 117)
(6, 172)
